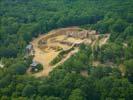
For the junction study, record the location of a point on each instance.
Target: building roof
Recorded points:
(34, 63)
(1, 65)
(29, 46)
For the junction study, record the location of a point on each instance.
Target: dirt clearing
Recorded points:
(48, 46)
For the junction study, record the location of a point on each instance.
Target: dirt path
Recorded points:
(67, 57)
(44, 58)
(104, 40)
(49, 68)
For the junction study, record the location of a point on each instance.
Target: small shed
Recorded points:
(1, 64)
(29, 47)
(34, 64)
(29, 50)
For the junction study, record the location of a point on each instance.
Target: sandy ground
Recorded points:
(46, 55)
(49, 68)
(104, 40)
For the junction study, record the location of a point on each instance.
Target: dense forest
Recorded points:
(23, 20)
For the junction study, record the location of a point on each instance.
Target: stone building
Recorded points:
(29, 51)
(82, 34)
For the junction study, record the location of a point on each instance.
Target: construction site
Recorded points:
(47, 47)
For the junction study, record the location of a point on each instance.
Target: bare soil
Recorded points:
(45, 53)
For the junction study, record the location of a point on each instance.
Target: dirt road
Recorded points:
(44, 58)
(49, 68)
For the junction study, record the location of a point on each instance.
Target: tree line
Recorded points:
(21, 20)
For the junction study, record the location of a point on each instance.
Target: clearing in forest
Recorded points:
(47, 47)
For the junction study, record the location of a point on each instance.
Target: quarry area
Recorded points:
(48, 46)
